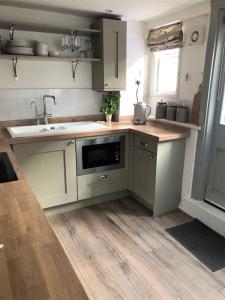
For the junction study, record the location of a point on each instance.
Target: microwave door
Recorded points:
(100, 154)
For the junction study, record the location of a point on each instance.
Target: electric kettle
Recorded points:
(141, 113)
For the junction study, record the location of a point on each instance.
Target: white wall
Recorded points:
(136, 61)
(43, 74)
(14, 14)
(192, 57)
(38, 78)
(192, 60)
(15, 103)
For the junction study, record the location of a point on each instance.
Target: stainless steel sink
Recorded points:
(51, 129)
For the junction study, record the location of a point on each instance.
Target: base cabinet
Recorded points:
(97, 184)
(157, 173)
(50, 168)
(153, 173)
(144, 171)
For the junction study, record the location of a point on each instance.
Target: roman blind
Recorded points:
(166, 37)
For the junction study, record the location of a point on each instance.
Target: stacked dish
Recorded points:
(20, 47)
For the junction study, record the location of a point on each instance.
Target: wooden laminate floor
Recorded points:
(120, 252)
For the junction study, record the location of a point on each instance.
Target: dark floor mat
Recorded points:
(204, 243)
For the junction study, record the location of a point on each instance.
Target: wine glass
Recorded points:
(89, 51)
(66, 45)
(76, 43)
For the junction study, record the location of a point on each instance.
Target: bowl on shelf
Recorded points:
(41, 48)
(54, 53)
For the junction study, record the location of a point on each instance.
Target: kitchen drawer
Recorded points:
(145, 143)
(97, 184)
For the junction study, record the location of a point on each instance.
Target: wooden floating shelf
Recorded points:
(47, 58)
(47, 28)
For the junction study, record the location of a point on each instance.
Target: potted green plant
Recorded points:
(110, 104)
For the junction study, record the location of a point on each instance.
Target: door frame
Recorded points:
(209, 100)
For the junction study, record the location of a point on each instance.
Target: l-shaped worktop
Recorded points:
(155, 130)
(34, 264)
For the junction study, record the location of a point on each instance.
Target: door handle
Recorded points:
(70, 143)
(102, 177)
(143, 143)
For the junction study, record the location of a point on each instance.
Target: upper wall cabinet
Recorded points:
(109, 74)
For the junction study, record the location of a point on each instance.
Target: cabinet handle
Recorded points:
(102, 177)
(107, 84)
(70, 143)
(143, 143)
(151, 157)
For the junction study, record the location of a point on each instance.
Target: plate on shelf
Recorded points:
(17, 43)
(20, 50)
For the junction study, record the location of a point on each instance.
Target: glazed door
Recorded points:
(215, 191)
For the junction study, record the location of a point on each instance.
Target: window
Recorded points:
(166, 71)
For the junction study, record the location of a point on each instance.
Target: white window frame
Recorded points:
(154, 80)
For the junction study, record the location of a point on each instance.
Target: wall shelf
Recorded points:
(12, 26)
(47, 28)
(75, 61)
(47, 58)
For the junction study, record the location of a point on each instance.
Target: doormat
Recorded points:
(204, 243)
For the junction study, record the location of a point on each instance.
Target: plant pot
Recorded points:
(108, 118)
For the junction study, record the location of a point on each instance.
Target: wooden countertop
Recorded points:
(154, 130)
(33, 262)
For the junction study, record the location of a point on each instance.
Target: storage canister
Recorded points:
(171, 112)
(161, 110)
(182, 114)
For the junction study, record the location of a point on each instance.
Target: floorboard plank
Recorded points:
(216, 279)
(119, 251)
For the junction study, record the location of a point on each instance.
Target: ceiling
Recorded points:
(140, 10)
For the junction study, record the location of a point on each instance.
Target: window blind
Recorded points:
(166, 37)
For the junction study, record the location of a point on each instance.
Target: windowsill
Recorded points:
(187, 125)
(165, 96)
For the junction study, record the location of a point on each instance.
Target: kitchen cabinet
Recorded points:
(144, 171)
(109, 74)
(109, 181)
(50, 168)
(103, 183)
(157, 173)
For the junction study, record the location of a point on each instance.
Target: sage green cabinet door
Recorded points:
(114, 41)
(110, 73)
(50, 168)
(97, 184)
(144, 175)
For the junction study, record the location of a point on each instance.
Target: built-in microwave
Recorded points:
(100, 154)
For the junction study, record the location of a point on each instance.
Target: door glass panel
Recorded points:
(222, 116)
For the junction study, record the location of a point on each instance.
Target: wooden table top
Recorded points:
(33, 262)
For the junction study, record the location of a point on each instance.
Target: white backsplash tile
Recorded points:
(15, 103)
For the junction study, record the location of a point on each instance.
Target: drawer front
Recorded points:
(97, 184)
(145, 143)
